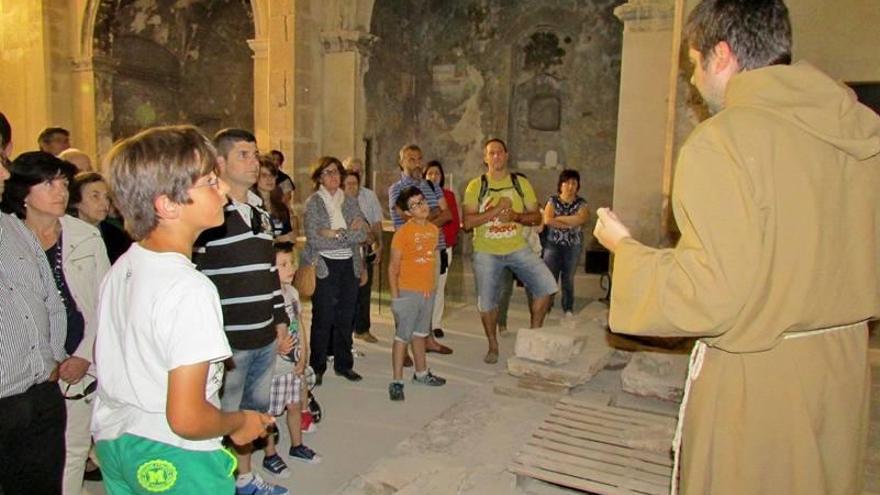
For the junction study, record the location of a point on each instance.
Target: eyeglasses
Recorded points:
(89, 390)
(330, 171)
(212, 181)
(420, 202)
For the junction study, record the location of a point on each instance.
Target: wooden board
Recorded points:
(588, 447)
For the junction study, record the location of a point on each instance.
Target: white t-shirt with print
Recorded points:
(156, 313)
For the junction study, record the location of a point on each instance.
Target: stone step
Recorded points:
(557, 344)
(580, 369)
(655, 374)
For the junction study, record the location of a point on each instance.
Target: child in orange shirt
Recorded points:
(411, 279)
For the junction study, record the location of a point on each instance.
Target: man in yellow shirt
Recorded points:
(496, 206)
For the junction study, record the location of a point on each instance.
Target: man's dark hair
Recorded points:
(758, 31)
(225, 140)
(28, 170)
(49, 132)
(495, 140)
(565, 176)
(5, 132)
(405, 195)
(278, 156)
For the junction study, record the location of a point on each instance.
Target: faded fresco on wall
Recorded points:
(543, 75)
(175, 61)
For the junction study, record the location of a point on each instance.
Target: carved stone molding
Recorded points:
(646, 15)
(98, 64)
(260, 47)
(342, 40)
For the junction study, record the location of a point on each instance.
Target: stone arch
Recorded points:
(95, 68)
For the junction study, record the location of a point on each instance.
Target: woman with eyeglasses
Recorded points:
(90, 202)
(37, 193)
(335, 228)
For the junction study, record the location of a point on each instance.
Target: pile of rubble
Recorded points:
(552, 362)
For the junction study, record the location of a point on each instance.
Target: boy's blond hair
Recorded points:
(162, 160)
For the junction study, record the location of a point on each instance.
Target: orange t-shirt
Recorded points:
(417, 245)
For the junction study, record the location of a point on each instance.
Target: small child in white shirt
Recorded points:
(289, 390)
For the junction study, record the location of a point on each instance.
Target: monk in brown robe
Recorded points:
(777, 197)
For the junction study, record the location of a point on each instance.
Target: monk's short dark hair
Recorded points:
(757, 31)
(159, 161)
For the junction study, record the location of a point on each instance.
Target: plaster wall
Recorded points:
(543, 75)
(841, 37)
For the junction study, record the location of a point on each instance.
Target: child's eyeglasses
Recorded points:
(213, 181)
(414, 204)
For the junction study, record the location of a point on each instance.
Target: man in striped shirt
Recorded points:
(32, 332)
(238, 257)
(410, 162)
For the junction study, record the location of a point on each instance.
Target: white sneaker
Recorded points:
(569, 314)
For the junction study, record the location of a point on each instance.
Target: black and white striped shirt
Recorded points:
(32, 316)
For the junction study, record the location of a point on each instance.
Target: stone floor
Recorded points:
(456, 439)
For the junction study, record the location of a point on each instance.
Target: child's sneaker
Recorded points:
(395, 391)
(257, 486)
(307, 422)
(275, 465)
(304, 454)
(429, 379)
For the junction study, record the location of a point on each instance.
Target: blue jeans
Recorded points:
(249, 384)
(525, 264)
(562, 261)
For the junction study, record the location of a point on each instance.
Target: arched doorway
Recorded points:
(167, 61)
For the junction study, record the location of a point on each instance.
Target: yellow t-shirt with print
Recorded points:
(495, 237)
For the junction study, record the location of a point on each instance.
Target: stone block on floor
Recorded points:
(654, 374)
(556, 345)
(580, 369)
(520, 388)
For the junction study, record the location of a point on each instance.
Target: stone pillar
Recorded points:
(642, 116)
(92, 95)
(273, 77)
(345, 58)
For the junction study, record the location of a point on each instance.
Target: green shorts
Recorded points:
(136, 465)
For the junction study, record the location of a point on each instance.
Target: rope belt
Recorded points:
(695, 365)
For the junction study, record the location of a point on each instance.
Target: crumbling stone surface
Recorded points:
(579, 370)
(549, 344)
(523, 389)
(654, 374)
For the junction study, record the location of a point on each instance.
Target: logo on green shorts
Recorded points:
(157, 475)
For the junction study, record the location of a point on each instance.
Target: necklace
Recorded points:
(58, 269)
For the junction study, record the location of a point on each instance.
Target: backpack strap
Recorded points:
(514, 179)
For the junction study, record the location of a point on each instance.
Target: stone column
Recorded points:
(345, 58)
(642, 116)
(93, 106)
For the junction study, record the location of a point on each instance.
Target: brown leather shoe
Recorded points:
(440, 349)
(366, 337)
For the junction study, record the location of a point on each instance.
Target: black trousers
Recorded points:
(32, 447)
(333, 305)
(362, 308)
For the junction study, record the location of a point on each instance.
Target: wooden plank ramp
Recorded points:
(591, 448)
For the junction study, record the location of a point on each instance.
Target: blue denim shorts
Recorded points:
(524, 263)
(249, 384)
(412, 315)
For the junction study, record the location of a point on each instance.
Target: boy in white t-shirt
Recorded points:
(160, 345)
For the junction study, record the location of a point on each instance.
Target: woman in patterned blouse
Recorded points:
(564, 217)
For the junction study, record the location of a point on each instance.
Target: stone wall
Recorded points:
(177, 62)
(543, 75)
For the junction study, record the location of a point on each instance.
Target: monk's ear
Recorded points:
(723, 58)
